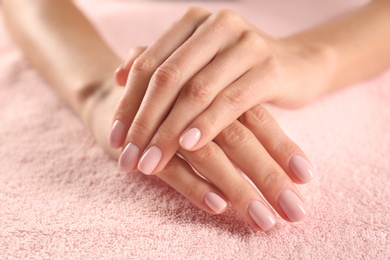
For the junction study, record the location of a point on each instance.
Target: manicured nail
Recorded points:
(215, 202)
(149, 160)
(302, 168)
(128, 159)
(190, 138)
(292, 205)
(119, 69)
(117, 134)
(261, 215)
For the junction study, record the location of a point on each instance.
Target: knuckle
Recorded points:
(235, 98)
(167, 74)
(204, 155)
(193, 190)
(272, 178)
(273, 67)
(192, 17)
(284, 146)
(233, 136)
(139, 128)
(226, 19)
(255, 116)
(166, 133)
(144, 65)
(123, 106)
(194, 11)
(136, 51)
(256, 42)
(198, 90)
(239, 193)
(227, 15)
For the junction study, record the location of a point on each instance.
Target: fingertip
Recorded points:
(216, 203)
(261, 215)
(190, 138)
(128, 159)
(292, 205)
(302, 168)
(149, 160)
(120, 76)
(116, 136)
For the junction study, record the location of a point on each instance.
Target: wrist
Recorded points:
(91, 96)
(324, 57)
(320, 59)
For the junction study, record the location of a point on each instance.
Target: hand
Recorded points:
(270, 160)
(256, 145)
(199, 77)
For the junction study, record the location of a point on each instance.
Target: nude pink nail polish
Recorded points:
(128, 159)
(302, 168)
(117, 134)
(261, 215)
(292, 205)
(215, 202)
(119, 69)
(150, 160)
(190, 138)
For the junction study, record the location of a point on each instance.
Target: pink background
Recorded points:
(61, 196)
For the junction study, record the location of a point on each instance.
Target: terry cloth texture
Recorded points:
(61, 196)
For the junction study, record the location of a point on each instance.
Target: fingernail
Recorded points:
(215, 202)
(116, 137)
(190, 138)
(302, 168)
(119, 69)
(128, 159)
(149, 160)
(292, 205)
(261, 215)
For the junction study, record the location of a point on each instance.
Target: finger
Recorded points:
(180, 176)
(143, 69)
(284, 151)
(122, 72)
(196, 96)
(167, 82)
(247, 153)
(212, 163)
(251, 89)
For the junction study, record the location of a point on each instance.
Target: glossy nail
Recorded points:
(302, 168)
(149, 160)
(128, 159)
(292, 205)
(261, 215)
(190, 138)
(117, 134)
(215, 202)
(119, 69)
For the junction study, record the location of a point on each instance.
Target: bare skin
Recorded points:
(209, 68)
(61, 43)
(66, 49)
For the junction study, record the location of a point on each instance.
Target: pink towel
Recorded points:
(61, 196)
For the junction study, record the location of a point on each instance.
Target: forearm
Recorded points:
(61, 43)
(356, 46)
